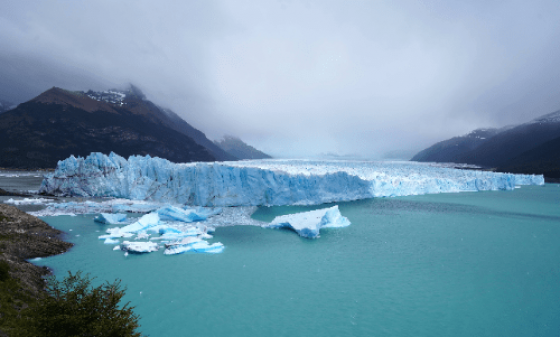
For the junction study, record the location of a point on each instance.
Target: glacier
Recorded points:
(308, 224)
(263, 182)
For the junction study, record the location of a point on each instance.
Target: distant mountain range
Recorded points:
(239, 149)
(59, 123)
(532, 147)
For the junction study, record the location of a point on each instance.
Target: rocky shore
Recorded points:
(23, 237)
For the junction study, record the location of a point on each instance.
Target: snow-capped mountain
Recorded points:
(59, 123)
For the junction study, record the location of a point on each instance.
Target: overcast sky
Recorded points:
(299, 78)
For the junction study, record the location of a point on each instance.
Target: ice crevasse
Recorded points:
(263, 182)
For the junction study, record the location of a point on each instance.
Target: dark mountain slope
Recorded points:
(178, 124)
(453, 149)
(135, 101)
(543, 159)
(240, 149)
(509, 144)
(59, 123)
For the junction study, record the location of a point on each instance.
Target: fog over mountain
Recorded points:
(298, 78)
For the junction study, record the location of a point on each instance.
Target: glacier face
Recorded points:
(263, 182)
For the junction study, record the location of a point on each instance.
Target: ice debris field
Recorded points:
(181, 229)
(184, 203)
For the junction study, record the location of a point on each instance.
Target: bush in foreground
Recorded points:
(75, 308)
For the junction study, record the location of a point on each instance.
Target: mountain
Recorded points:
(544, 159)
(59, 123)
(5, 105)
(505, 146)
(453, 149)
(135, 100)
(236, 147)
(531, 147)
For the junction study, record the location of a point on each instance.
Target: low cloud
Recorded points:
(299, 78)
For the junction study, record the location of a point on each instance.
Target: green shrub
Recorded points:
(4, 271)
(75, 308)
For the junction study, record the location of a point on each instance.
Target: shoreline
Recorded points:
(24, 237)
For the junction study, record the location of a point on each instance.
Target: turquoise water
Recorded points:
(469, 264)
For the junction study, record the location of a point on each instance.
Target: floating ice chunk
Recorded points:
(139, 247)
(169, 230)
(204, 247)
(145, 222)
(178, 250)
(113, 219)
(308, 224)
(193, 244)
(135, 208)
(184, 215)
(27, 201)
(115, 234)
(142, 235)
(117, 247)
(110, 241)
(177, 236)
(333, 218)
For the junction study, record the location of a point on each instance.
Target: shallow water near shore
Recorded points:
(465, 264)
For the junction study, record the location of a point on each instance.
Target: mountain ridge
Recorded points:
(531, 147)
(59, 122)
(238, 148)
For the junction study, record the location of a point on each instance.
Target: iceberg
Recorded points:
(184, 215)
(308, 224)
(178, 237)
(263, 182)
(146, 222)
(139, 247)
(195, 245)
(112, 219)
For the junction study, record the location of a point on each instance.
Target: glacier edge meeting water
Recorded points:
(263, 182)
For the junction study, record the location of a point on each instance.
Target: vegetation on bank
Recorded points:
(71, 307)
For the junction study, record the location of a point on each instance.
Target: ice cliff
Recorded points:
(263, 182)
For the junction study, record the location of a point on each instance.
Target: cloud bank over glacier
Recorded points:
(297, 78)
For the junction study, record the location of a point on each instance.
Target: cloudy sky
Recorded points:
(299, 78)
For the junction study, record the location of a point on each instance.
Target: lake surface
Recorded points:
(468, 264)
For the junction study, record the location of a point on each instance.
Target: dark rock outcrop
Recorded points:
(22, 237)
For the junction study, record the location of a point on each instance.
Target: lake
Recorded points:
(464, 264)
